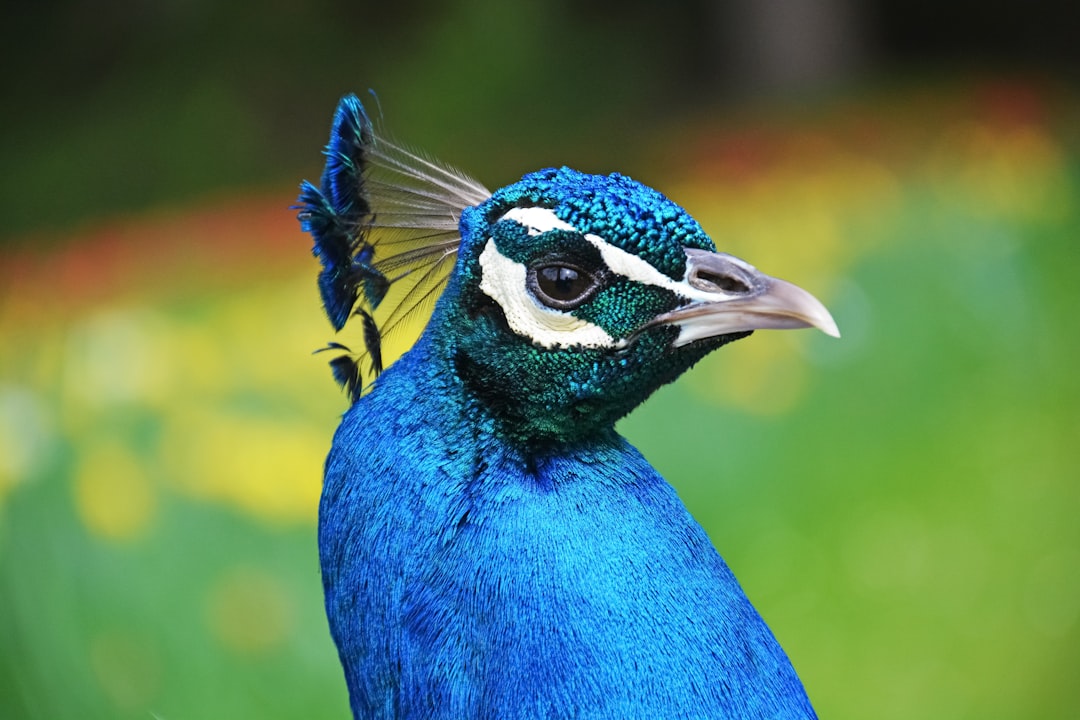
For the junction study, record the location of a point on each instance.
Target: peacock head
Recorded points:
(572, 297)
(576, 296)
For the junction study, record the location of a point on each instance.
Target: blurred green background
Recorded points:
(901, 504)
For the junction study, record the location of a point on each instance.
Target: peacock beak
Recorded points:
(728, 295)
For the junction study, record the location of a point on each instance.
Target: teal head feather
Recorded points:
(559, 281)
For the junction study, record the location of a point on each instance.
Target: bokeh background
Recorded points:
(901, 504)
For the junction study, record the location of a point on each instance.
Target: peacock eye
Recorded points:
(560, 286)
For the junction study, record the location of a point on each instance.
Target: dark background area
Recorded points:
(118, 106)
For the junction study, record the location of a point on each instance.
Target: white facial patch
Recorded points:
(503, 280)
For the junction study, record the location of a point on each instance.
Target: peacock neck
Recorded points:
(437, 376)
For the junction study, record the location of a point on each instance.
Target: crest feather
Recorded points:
(383, 216)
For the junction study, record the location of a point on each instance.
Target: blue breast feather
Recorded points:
(575, 585)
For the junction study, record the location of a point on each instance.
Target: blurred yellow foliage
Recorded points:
(113, 494)
(270, 468)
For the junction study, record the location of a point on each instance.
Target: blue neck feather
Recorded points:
(561, 583)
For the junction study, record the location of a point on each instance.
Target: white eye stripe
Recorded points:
(503, 280)
(539, 220)
(632, 267)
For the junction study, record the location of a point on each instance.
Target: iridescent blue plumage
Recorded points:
(377, 194)
(335, 215)
(490, 546)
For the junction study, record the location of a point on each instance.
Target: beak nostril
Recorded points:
(707, 280)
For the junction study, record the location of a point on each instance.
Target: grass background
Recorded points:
(900, 504)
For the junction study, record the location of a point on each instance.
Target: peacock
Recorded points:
(490, 546)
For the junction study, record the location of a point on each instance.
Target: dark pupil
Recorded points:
(561, 283)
